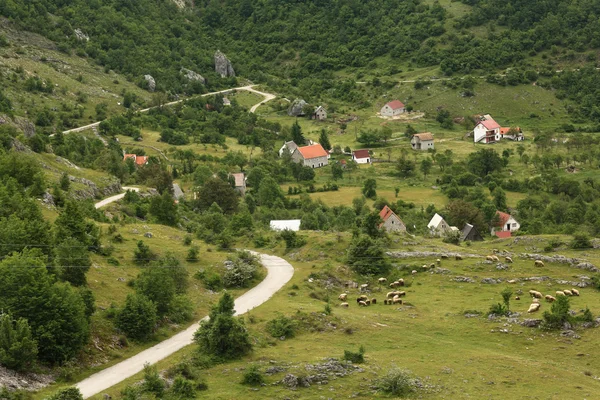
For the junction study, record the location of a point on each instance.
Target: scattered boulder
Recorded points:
(81, 36)
(148, 235)
(296, 109)
(192, 76)
(151, 82)
(463, 279)
(20, 147)
(48, 199)
(531, 323)
(223, 66)
(274, 370)
(491, 281)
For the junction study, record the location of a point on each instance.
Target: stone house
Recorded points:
(240, 182)
(438, 226)
(313, 156)
(391, 222)
(422, 141)
(288, 146)
(361, 156)
(470, 233)
(393, 108)
(320, 114)
(137, 160)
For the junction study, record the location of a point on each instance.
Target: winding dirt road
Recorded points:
(279, 272)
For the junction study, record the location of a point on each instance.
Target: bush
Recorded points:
(143, 255)
(192, 254)
(70, 393)
(187, 240)
(183, 388)
(212, 281)
(498, 309)
(282, 326)
(18, 350)
(452, 237)
(240, 274)
(153, 383)
(253, 376)
(397, 382)
(138, 318)
(558, 315)
(292, 239)
(181, 309)
(581, 241)
(356, 358)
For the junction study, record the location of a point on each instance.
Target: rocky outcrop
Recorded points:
(223, 66)
(92, 191)
(151, 82)
(296, 109)
(557, 258)
(12, 380)
(20, 147)
(192, 76)
(81, 36)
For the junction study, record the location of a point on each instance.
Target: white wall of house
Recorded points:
(361, 160)
(388, 111)
(418, 144)
(479, 132)
(512, 225)
(321, 114)
(316, 162)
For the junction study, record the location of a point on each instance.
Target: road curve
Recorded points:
(279, 272)
(268, 97)
(114, 198)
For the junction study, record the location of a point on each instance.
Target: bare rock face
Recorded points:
(296, 108)
(151, 82)
(192, 76)
(81, 36)
(223, 66)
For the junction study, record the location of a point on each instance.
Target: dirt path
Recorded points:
(114, 198)
(268, 97)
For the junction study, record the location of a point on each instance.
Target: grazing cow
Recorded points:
(343, 297)
(344, 305)
(575, 292)
(538, 263)
(373, 301)
(382, 280)
(560, 293)
(549, 298)
(362, 303)
(458, 257)
(567, 292)
(414, 272)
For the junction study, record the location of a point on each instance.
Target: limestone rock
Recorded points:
(151, 82)
(296, 108)
(81, 36)
(148, 235)
(223, 66)
(192, 76)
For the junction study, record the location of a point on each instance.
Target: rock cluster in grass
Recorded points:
(463, 279)
(424, 254)
(296, 109)
(557, 258)
(192, 76)
(320, 373)
(12, 380)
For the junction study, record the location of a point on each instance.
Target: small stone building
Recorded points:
(391, 222)
(422, 141)
(470, 233)
(320, 114)
(289, 147)
(240, 182)
(313, 156)
(438, 226)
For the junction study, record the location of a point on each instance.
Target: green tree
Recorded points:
(73, 261)
(164, 209)
(559, 313)
(297, 136)
(220, 192)
(426, 165)
(269, 192)
(70, 393)
(223, 336)
(369, 189)
(18, 349)
(71, 223)
(366, 256)
(500, 199)
(337, 171)
(324, 140)
(202, 174)
(142, 255)
(405, 167)
(65, 182)
(484, 162)
(138, 317)
(157, 284)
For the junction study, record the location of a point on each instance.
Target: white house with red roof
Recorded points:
(506, 223)
(313, 156)
(361, 156)
(422, 141)
(393, 108)
(137, 160)
(488, 130)
(391, 222)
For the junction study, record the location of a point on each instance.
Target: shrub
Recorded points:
(282, 326)
(143, 255)
(498, 309)
(18, 350)
(397, 382)
(452, 237)
(181, 309)
(153, 383)
(292, 239)
(138, 318)
(253, 376)
(192, 254)
(327, 309)
(212, 281)
(240, 274)
(356, 358)
(581, 241)
(187, 240)
(558, 315)
(70, 393)
(183, 388)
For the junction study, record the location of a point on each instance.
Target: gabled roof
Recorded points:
(385, 213)
(469, 232)
(395, 104)
(363, 153)
(435, 221)
(287, 224)
(139, 160)
(503, 234)
(132, 156)
(313, 151)
(320, 108)
(490, 124)
(502, 218)
(239, 179)
(424, 135)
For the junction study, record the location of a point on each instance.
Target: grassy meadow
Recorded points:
(455, 356)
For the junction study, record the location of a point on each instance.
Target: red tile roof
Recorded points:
(139, 160)
(503, 234)
(490, 124)
(239, 179)
(364, 153)
(504, 131)
(502, 218)
(313, 151)
(395, 104)
(385, 213)
(424, 135)
(132, 156)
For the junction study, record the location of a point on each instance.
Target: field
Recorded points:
(441, 334)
